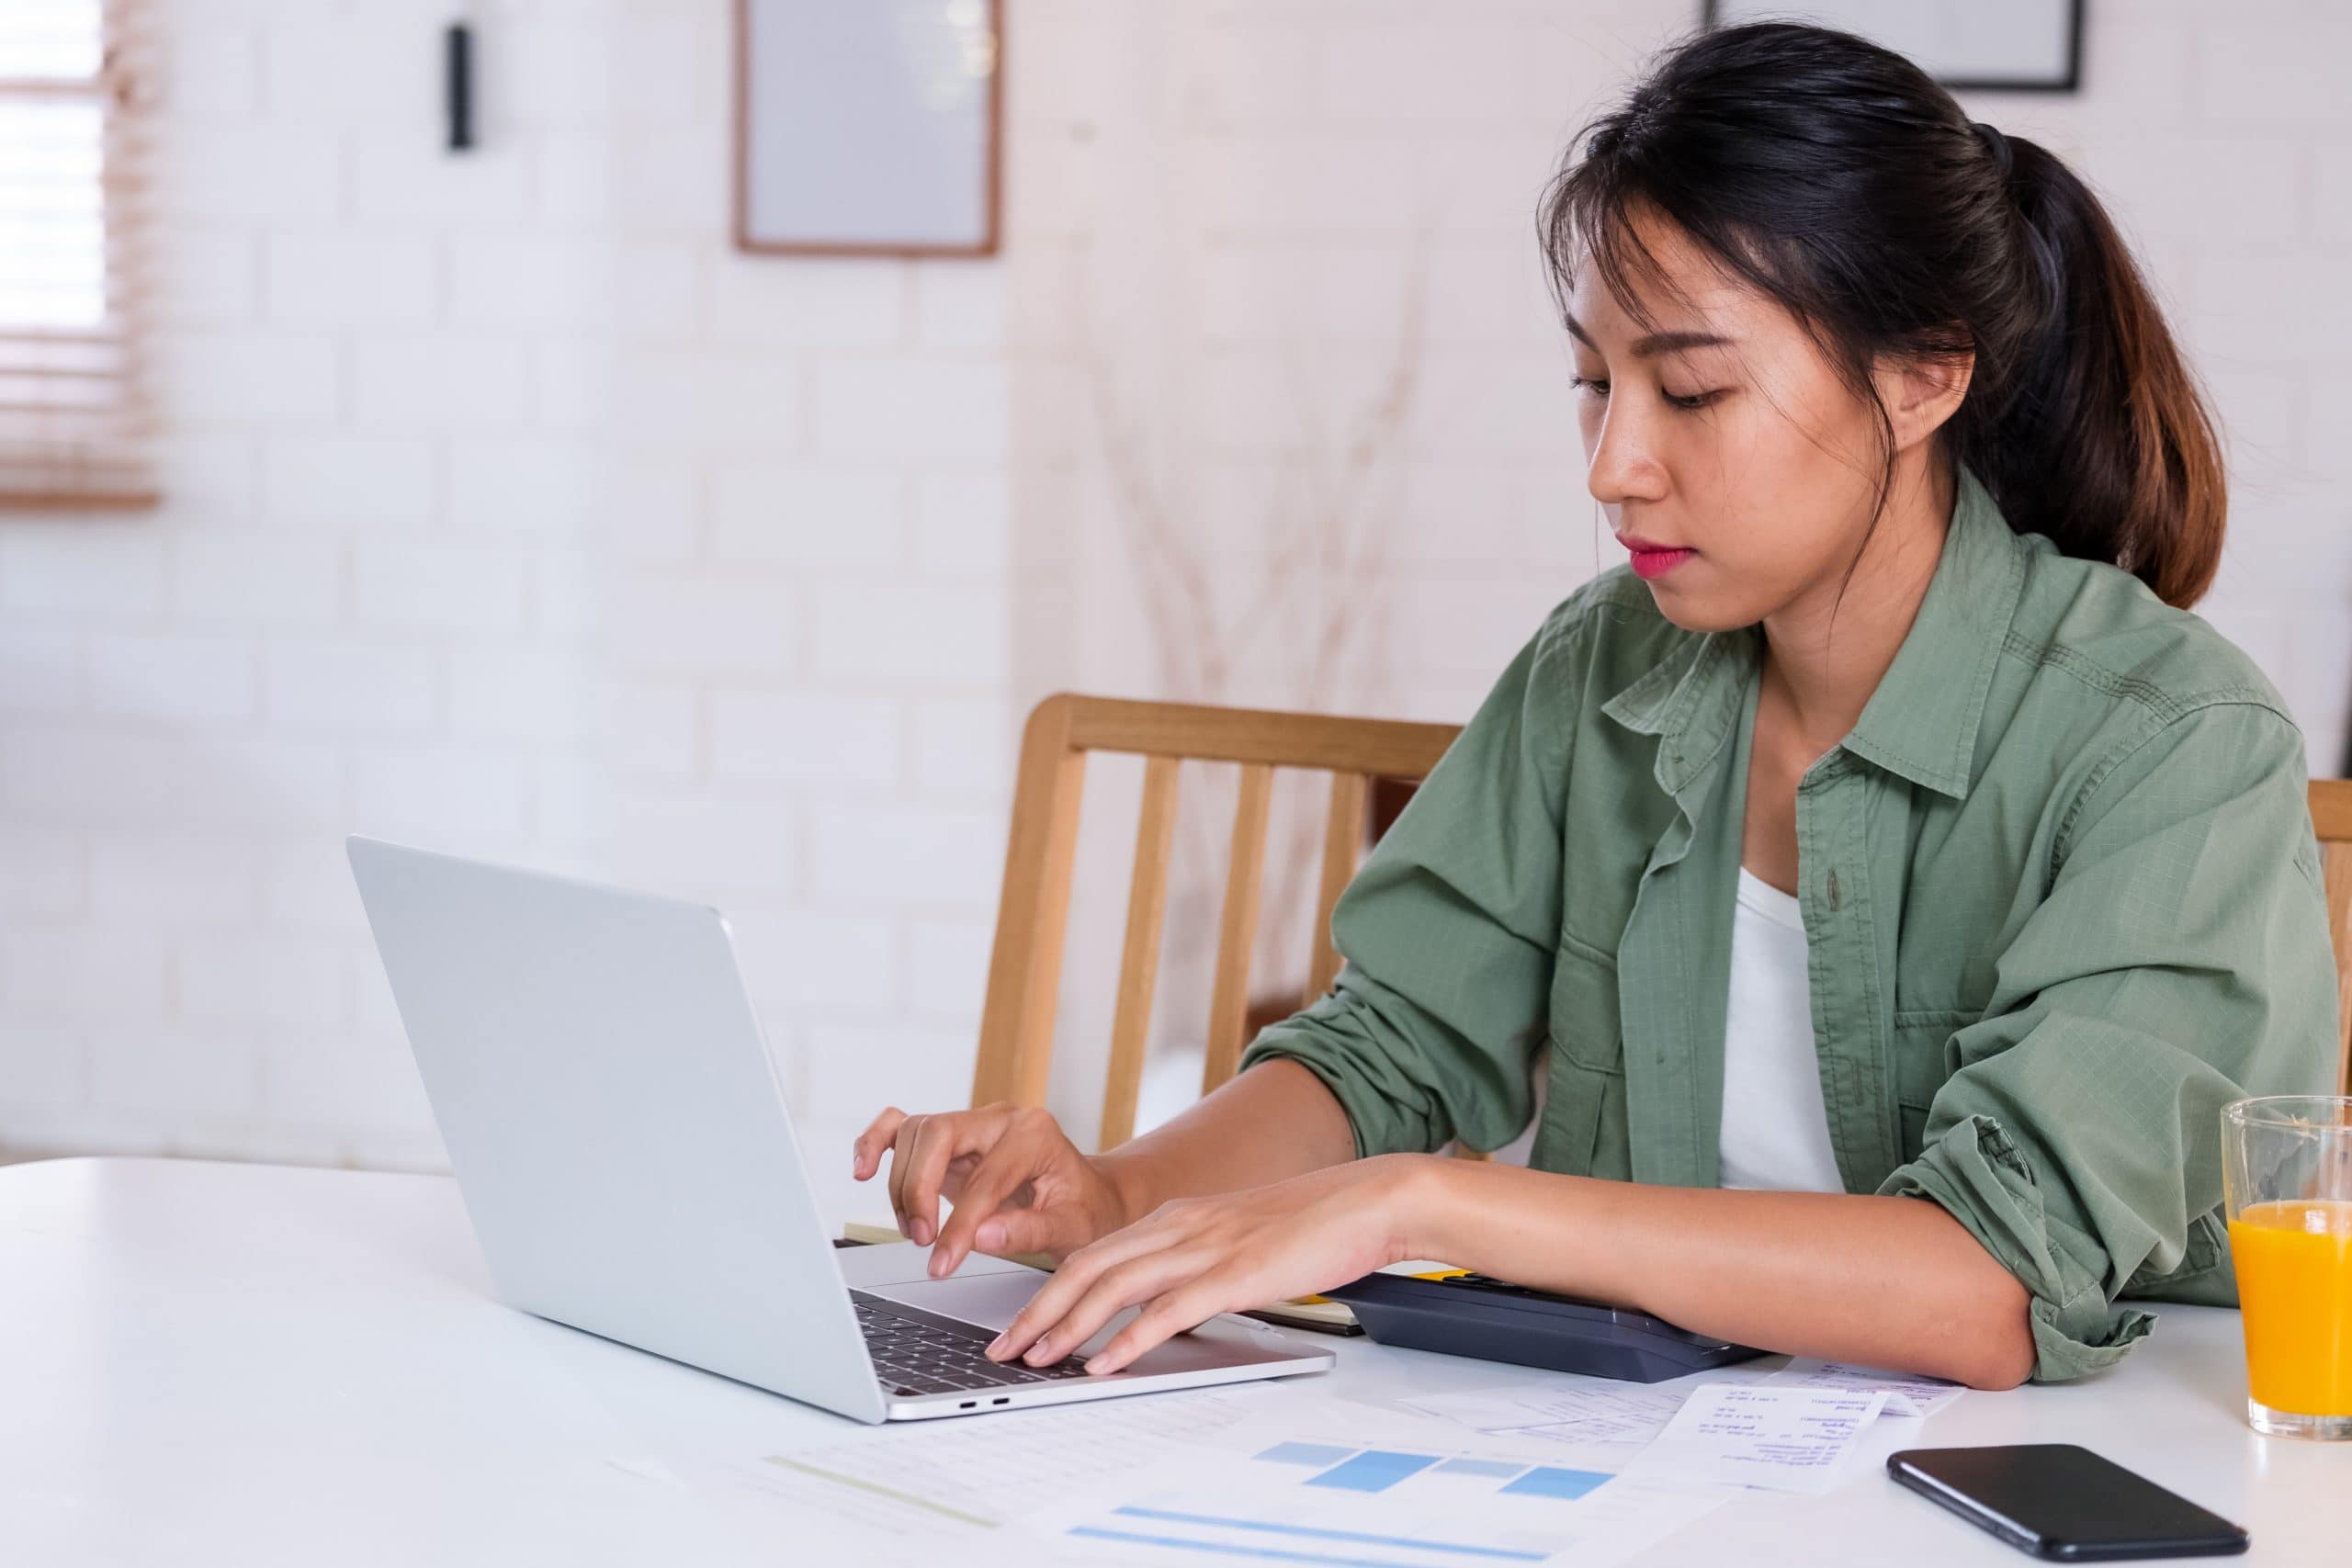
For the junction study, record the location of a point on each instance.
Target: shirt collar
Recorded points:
(1691, 702)
(1922, 720)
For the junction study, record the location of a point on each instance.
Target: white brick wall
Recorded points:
(337, 278)
(508, 510)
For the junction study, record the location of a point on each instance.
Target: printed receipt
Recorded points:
(1790, 1438)
(1905, 1395)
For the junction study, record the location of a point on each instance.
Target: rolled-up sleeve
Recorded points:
(1448, 933)
(2179, 959)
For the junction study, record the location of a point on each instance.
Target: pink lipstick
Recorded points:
(1652, 560)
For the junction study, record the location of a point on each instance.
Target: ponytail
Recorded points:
(1836, 177)
(2103, 440)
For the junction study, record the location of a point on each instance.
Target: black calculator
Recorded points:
(1494, 1320)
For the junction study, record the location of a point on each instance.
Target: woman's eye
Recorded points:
(1598, 386)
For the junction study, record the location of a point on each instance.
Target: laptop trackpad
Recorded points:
(988, 1300)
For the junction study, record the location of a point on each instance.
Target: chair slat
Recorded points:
(1139, 966)
(1342, 842)
(1237, 930)
(1025, 964)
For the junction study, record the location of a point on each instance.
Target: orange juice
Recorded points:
(2294, 1266)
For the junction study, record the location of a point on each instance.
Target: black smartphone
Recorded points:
(2059, 1501)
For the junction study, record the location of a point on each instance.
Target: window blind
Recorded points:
(75, 420)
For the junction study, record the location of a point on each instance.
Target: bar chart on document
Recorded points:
(1316, 1502)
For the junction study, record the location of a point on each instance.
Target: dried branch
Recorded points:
(1327, 555)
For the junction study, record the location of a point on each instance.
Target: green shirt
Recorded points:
(2061, 894)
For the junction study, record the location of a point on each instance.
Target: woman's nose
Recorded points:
(1622, 467)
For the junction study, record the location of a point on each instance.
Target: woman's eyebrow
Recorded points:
(1654, 343)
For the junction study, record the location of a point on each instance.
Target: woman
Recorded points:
(1901, 877)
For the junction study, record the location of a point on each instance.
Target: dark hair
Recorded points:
(1837, 178)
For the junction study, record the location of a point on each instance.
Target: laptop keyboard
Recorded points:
(921, 1352)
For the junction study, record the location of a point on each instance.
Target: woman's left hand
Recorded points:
(1192, 1259)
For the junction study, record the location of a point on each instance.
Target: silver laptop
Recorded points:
(622, 1145)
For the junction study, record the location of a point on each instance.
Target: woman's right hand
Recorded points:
(1018, 1183)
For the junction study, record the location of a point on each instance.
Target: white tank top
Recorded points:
(1775, 1131)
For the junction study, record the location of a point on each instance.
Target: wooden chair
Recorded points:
(1025, 969)
(2331, 820)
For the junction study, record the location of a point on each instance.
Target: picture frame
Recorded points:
(1998, 46)
(868, 127)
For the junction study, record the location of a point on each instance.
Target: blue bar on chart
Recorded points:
(1545, 1482)
(1372, 1471)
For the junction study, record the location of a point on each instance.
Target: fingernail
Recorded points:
(921, 1231)
(993, 1348)
(991, 1235)
(1095, 1366)
(1036, 1355)
(940, 1264)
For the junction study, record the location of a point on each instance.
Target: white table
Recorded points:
(257, 1365)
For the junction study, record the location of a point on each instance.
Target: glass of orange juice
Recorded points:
(2286, 1174)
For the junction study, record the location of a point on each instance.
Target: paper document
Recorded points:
(1267, 1473)
(1905, 1395)
(1596, 1420)
(1790, 1438)
(1381, 1489)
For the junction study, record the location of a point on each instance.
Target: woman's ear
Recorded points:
(1921, 392)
